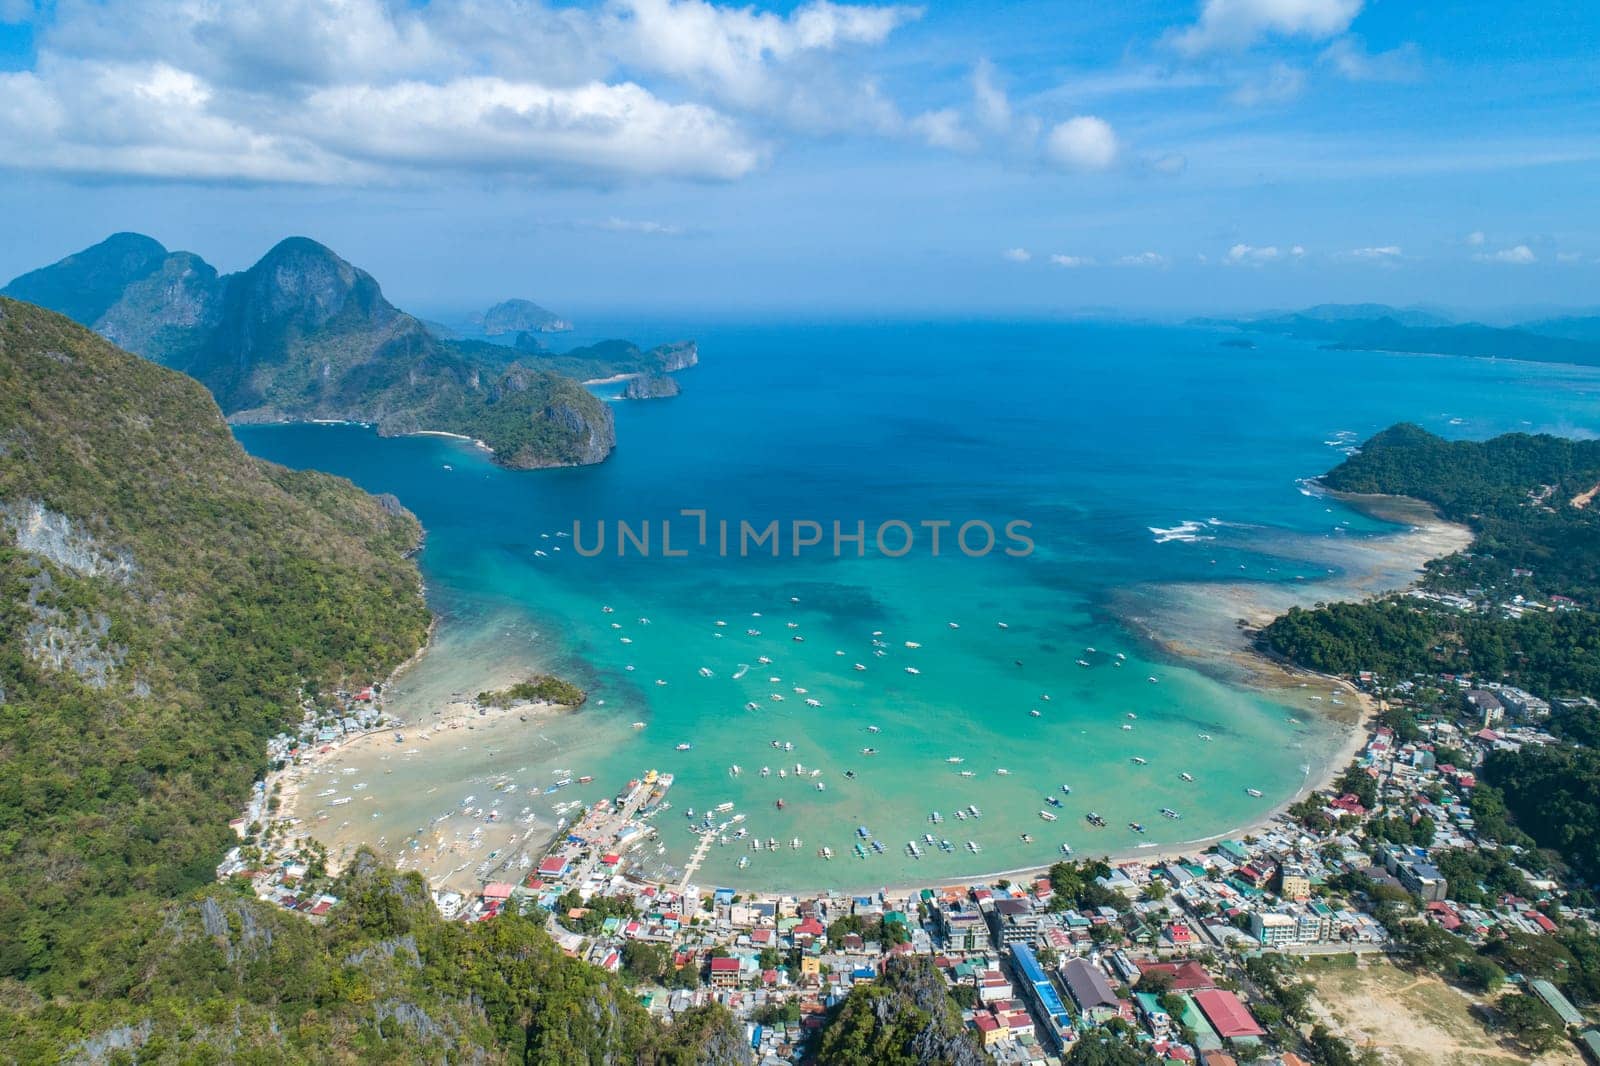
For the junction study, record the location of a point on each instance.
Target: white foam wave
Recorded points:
(1184, 532)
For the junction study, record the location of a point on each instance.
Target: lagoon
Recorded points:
(1160, 473)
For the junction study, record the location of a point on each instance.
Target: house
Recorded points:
(1227, 1014)
(724, 972)
(1294, 882)
(1089, 988)
(1187, 976)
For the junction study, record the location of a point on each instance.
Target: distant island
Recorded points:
(1381, 328)
(304, 335)
(519, 316)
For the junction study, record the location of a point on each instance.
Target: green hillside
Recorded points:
(303, 334)
(165, 601)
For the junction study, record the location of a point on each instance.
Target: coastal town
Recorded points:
(1168, 949)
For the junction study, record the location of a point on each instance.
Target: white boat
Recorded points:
(972, 809)
(827, 852)
(795, 843)
(873, 729)
(821, 787)
(1002, 771)
(1127, 727)
(860, 667)
(912, 644)
(1139, 760)
(1034, 713)
(764, 661)
(705, 672)
(744, 860)
(1186, 776)
(954, 625)
(1254, 792)
(813, 703)
(1002, 625)
(638, 725)
(685, 746)
(968, 773)
(1047, 816)
(1066, 849)
(955, 759)
(912, 670)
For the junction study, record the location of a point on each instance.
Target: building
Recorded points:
(1557, 1002)
(1294, 882)
(1089, 989)
(1227, 1014)
(1041, 992)
(724, 972)
(1013, 921)
(1423, 879)
(1273, 929)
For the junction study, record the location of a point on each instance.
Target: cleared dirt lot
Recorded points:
(1410, 1019)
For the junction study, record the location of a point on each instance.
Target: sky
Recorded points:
(815, 158)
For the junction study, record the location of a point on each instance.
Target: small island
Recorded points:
(651, 387)
(541, 688)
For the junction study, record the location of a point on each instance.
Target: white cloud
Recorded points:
(1379, 253)
(943, 129)
(1569, 257)
(1082, 143)
(1349, 56)
(1475, 239)
(372, 90)
(1017, 255)
(1171, 163)
(1277, 84)
(1143, 259)
(1518, 255)
(644, 226)
(989, 101)
(1297, 251)
(1072, 262)
(1235, 24)
(1245, 254)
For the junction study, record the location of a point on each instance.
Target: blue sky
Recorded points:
(819, 157)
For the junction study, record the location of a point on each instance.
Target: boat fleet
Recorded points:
(867, 845)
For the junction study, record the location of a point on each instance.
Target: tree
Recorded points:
(1110, 1045)
(1479, 974)
(1529, 1021)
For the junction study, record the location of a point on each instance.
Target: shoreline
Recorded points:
(1427, 534)
(614, 379)
(1228, 649)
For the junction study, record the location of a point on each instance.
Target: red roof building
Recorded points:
(1187, 976)
(554, 866)
(1227, 1014)
(499, 891)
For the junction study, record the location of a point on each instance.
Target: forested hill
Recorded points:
(165, 601)
(303, 334)
(1530, 500)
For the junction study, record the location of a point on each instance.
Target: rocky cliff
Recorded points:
(304, 334)
(650, 387)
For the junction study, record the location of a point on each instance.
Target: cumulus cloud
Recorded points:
(1248, 255)
(1017, 255)
(1297, 251)
(1379, 253)
(1277, 84)
(1517, 255)
(1071, 262)
(1083, 142)
(1143, 259)
(368, 90)
(1171, 163)
(1237, 24)
(1569, 257)
(1475, 239)
(1348, 56)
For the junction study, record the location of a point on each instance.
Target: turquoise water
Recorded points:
(1096, 434)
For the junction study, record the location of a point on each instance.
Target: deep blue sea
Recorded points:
(1142, 457)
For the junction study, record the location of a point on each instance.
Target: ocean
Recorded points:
(1150, 464)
